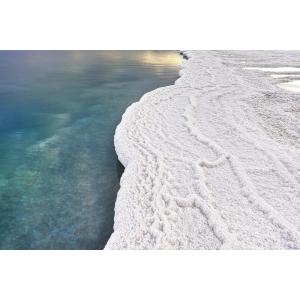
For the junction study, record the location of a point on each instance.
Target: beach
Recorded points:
(213, 161)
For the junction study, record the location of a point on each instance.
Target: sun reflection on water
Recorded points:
(160, 58)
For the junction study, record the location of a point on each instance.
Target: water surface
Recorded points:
(59, 174)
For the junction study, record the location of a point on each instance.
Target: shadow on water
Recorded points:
(120, 169)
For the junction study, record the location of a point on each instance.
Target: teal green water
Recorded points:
(59, 174)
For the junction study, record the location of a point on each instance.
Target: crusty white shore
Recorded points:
(212, 162)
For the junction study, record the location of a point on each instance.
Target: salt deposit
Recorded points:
(212, 162)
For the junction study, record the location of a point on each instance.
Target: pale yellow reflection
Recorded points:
(160, 58)
(151, 57)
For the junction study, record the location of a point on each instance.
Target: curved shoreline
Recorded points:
(124, 151)
(189, 150)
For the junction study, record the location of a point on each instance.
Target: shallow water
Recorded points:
(59, 174)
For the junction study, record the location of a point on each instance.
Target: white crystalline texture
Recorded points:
(276, 70)
(291, 86)
(212, 162)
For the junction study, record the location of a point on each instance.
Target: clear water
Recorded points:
(59, 174)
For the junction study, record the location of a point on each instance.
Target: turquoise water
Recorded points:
(59, 174)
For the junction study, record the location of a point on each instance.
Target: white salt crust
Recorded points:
(212, 162)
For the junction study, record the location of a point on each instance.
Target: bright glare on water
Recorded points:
(59, 174)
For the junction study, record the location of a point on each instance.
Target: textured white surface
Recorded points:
(293, 86)
(275, 70)
(212, 162)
